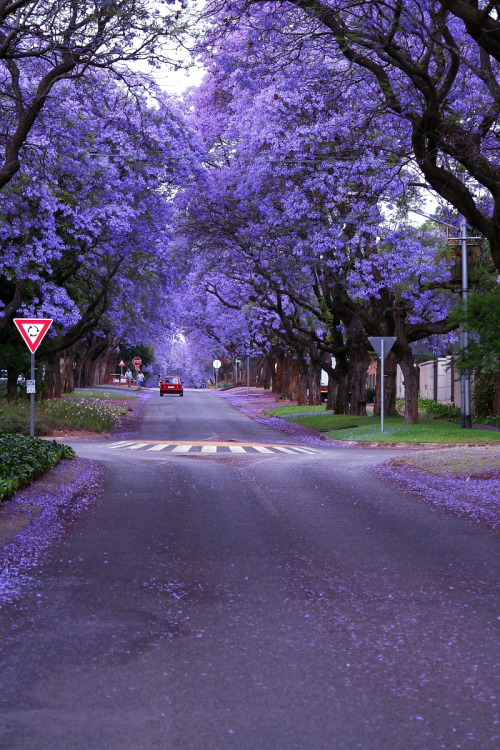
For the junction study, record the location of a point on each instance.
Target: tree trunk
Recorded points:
(314, 377)
(56, 375)
(331, 399)
(496, 398)
(358, 367)
(342, 400)
(298, 383)
(67, 372)
(411, 378)
(12, 376)
(277, 380)
(267, 373)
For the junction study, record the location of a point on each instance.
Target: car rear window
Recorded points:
(171, 380)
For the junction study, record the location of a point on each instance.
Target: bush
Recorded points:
(370, 395)
(25, 458)
(434, 409)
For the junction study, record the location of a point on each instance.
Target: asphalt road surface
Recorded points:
(221, 596)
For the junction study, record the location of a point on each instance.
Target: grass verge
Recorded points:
(367, 429)
(470, 462)
(22, 459)
(104, 395)
(93, 414)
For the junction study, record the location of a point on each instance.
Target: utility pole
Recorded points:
(465, 381)
(464, 334)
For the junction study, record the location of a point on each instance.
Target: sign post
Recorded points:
(33, 331)
(382, 345)
(121, 366)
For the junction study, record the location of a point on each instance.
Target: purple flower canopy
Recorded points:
(273, 204)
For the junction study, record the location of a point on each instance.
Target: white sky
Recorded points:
(177, 81)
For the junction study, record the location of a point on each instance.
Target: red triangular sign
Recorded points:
(33, 330)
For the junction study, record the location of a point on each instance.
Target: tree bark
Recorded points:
(298, 383)
(411, 381)
(314, 373)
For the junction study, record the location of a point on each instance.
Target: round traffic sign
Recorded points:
(217, 363)
(137, 361)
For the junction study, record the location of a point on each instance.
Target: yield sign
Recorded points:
(33, 330)
(382, 344)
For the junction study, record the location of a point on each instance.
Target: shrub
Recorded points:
(25, 458)
(437, 410)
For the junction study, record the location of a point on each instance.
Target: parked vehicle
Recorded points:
(171, 384)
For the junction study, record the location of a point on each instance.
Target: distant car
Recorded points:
(171, 384)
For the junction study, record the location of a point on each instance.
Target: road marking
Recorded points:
(209, 449)
(220, 447)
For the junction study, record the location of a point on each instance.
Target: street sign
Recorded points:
(33, 330)
(382, 344)
(217, 363)
(30, 386)
(137, 361)
(121, 363)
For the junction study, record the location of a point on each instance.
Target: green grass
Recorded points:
(279, 411)
(94, 414)
(367, 429)
(104, 395)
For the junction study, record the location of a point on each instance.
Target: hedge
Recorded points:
(22, 459)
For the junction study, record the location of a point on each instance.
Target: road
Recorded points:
(278, 600)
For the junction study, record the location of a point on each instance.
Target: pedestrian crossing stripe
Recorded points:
(209, 448)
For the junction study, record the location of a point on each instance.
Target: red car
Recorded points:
(171, 384)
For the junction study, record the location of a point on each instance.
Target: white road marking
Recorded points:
(248, 449)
